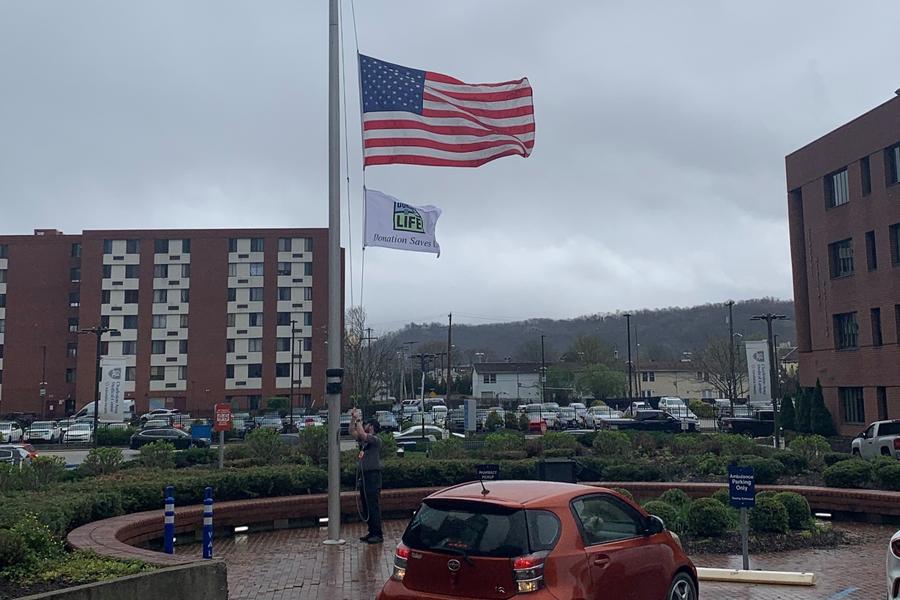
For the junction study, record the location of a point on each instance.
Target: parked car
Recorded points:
(893, 568)
(580, 412)
(269, 422)
(387, 421)
(177, 437)
(676, 407)
(651, 420)
(345, 424)
(543, 411)
(760, 423)
(881, 438)
(636, 406)
(43, 431)
(597, 414)
(439, 414)
(158, 412)
(567, 418)
(81, 431)
(416, 433)
(14, 456)
(10, 431)
(540, 540)
(456, 419)
(64, 424)
(302, 422)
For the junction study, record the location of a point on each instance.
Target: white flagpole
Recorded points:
(335, 335)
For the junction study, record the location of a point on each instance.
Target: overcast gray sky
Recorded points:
(657, 177)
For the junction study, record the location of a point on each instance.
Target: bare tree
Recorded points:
(367, 358)
(715, 360)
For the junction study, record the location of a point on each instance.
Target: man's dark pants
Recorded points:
(371, 491)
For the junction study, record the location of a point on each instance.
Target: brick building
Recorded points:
(202, 316)
(844, 213)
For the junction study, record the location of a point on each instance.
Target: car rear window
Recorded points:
(889, 429)
(481, 529)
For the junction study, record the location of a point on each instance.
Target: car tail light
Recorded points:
(897, 444)
(401, 555)
(528, 572)
(895, 547)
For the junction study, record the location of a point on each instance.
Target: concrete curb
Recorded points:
(763, 577)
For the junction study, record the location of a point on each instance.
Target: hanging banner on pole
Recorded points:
(112, 390)
(758, 371)
(391, 223)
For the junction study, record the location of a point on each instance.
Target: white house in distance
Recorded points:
(507, 382)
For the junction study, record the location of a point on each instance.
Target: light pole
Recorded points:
(97, 331)
(768, 318)
(731, 381)
(630, 368)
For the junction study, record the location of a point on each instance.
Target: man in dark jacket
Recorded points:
(370, 467)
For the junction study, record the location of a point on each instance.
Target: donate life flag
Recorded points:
(394, 224)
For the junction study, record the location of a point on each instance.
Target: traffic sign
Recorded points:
(741, 487)
(223, 418)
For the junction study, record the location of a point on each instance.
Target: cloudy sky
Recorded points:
(657, 177)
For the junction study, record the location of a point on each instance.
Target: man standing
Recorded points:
(370, 467)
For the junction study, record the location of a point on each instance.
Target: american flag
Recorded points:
(424, 118)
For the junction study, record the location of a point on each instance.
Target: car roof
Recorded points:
(519, 494)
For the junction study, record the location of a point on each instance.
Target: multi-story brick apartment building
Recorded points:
(844, 212)
(202, 316)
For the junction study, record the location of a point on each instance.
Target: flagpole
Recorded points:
(335, 335)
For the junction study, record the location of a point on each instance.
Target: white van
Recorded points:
(88, 410)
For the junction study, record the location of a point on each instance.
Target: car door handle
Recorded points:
(601, 560)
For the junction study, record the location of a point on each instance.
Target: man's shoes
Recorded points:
(375, 539)
(364, 538)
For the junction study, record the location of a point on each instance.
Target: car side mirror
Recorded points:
(656, 525)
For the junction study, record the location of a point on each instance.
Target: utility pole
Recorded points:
(97, 331)
(630, 366)
(768, 318)
(449, 356)
(543, 373)
(732, 392)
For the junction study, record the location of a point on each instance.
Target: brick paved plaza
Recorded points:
(293, 564)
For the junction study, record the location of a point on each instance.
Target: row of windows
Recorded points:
(255, 294)
(853, 406)
(841, 256)
(166, 246)
(282, 344)
(282, 318)
(837, 184)
(846, 329)
(159, 373)
(256, 269)
(255, 370)
(131, 296)
(284, 244)
(648, 376)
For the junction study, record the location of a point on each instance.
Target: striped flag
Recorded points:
(423, 118)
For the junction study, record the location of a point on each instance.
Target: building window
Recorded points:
(75, 274)
(307, 319)
(490, 378)
(894, 236)
(840, 256)
(131, 271)
(230, 320)
(257, 245)
(73, 324)
(307, 369)
(254, 370)
(871, 251)
(104, 321)
(2, 300)
(130, 373)
(229, 371)
(846, 331)
(160, 246)
(161, 271)
(186, 246)
(254, 345)
(182, 373)
(284, 293)
(105, 297)
(892, 164)
(70, 375)
(852, 404)
(232, 244)
(232, 294)
(256, 269)
(185, 296)
(875, 315)
(307, 344)
(256, 294)
(4, 250)
(2, 325)
(160, 321)
(229, 345)
(253, 402)
(307, 244)
(74, 299)
(183, 321)
(837, 189)
(284, 244)
(158, 347)
(865, 176)
(132, 246)
(232, 269)
(881, 396)
(107, 271)
(282, 369)
(282, 344)
(182, 346)
(1, 350)
(107, 246)
(255, 319)
(130, 322)
(283, 318)
(157, 373)
(71, 349)
(185, 271)
(307, 293)
(284, 268)
(307, 269)
(2, 275)
(75, 251)
(160, 296)
(129, 348)
(131, 296)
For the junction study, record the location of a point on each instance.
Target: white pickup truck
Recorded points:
(881, 438)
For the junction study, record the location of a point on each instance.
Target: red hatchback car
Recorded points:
(537, 540)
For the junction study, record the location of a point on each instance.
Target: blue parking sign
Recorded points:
(741, 487)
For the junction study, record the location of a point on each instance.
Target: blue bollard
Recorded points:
(169, 527)
(208, 524)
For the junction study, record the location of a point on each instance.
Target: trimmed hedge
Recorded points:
(887, 477)
(769, 515)
(675, 497)
(612, 443)
(707, 517)
(832, 458)
(854, 473)
(798, 511)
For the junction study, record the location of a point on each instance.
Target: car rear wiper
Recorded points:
(458, 552)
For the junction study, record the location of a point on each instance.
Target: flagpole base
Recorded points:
(334, 542)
